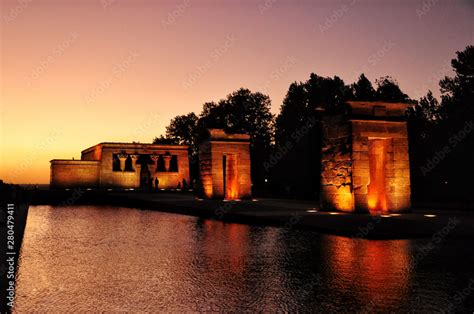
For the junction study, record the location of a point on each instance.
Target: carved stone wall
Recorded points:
(365, 162)
(336, 164)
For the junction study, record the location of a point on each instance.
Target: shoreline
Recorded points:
(297, 214)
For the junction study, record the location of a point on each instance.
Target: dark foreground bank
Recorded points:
(276, 212)
(14, 210)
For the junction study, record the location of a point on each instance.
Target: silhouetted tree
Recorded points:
(441, 137)
(388, 90)
(423, 118)
(426, 112)
(457, 92)
(163, 140)
(325, 91)
(183, 130)
(302, 100)
(363, 89)
(456, 128)
(241, 112)
(293, 112)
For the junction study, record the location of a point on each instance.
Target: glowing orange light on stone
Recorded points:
(206, 181)
(232, 188)
(345, 199)
(377, 198)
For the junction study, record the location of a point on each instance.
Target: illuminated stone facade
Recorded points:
(365, 164)
(224, 165)
(124, 165)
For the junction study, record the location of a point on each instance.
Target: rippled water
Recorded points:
(82, 258)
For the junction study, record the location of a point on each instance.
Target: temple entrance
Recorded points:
(229, 167)
(144, 176)
(377, 198)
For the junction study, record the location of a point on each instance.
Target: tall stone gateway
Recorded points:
(365, 165)
(224, 165)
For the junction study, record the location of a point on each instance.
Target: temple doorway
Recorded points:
(230, 175)
(144, 176)
(377, 197)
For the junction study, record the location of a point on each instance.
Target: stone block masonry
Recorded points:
(124, 165)
(224, 165)
(365, 161)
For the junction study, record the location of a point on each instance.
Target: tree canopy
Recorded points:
(163, 140)
(302, 100)
(458, 91)
(389, 90)
(445, 126)
(241, 112)
(363, 89)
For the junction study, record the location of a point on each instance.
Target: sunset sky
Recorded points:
(76, 73)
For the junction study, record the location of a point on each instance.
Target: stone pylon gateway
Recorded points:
(365, 164)
(224, 165)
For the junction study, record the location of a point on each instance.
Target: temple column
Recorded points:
(134, 158)
(122, 158)
(138, 168)
(153, 168)
(167, 159)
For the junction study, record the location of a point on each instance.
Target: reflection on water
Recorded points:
(83, 258)
(379, 267)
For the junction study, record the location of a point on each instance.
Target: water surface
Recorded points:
(91, 258)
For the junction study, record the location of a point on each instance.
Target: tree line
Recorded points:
(285, 149)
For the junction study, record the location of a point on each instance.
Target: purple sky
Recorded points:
(119, 70)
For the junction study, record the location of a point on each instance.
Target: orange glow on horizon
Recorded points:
(77, 73)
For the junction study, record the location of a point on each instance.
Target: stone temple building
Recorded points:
(123, 165)
(224, 165)
(364, 162)
(365, 165)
